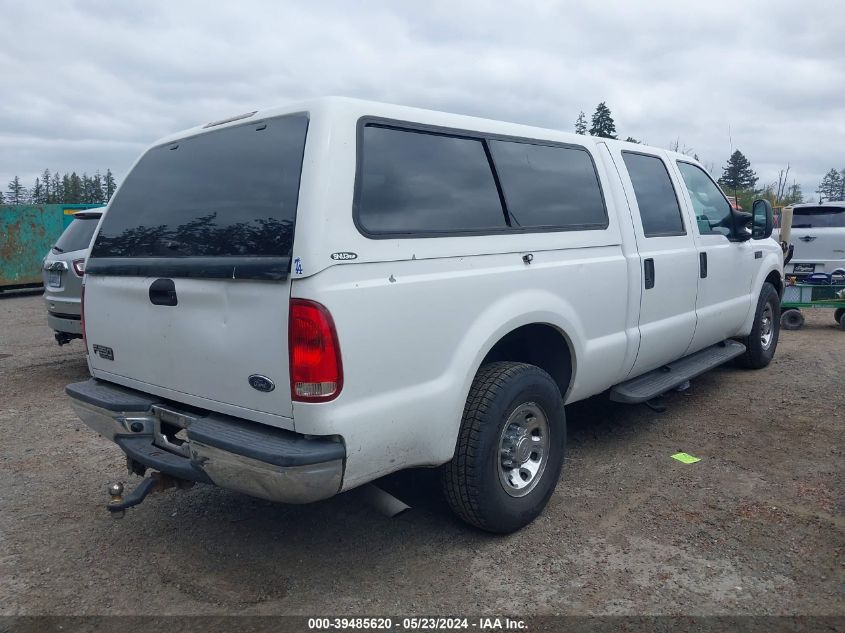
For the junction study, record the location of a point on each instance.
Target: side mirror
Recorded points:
(762, 220)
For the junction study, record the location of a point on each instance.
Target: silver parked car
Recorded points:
(63, 269)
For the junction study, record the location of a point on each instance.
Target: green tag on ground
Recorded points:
(686, 458)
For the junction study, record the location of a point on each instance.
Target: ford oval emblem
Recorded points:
(261, 383)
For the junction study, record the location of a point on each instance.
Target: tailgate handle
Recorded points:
(163, 292)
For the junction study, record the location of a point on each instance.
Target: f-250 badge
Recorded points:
(104, 352)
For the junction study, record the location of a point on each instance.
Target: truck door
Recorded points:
(726, 268)
(668, 260)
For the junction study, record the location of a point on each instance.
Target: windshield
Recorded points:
(228, 193)
(77, 235)
(818, 218)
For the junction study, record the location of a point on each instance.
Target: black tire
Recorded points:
(792, 319)
(471, 481)
(759, 354)
(842, 322)
(837, 316)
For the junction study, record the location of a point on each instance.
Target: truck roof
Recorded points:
(349, 108)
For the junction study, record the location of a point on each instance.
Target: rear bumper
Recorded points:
(61, 323)
(236, 454)
(63, 313)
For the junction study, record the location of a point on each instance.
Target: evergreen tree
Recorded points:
(56, 189)
(97, 196)
(603, 124)
(737, 175)
(581, 124)
(631, 139)
(38, 192)
(87, 189)
(2, 198)
(16, 191)
(66, 194)
(109, 185)
(46, 183)
(73, 194)
(830, 188)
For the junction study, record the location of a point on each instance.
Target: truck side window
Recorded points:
(712, 210)
(659, 209)
(549, 186)
(419, 182)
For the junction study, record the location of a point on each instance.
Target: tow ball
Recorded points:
(156, 482)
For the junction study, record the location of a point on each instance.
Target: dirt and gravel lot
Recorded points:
(756, 527)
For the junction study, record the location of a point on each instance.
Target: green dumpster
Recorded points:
(26, 234)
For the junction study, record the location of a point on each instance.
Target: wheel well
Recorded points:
(537, 344)
(774, 278)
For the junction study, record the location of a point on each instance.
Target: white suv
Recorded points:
(818, 235)
(295, 302)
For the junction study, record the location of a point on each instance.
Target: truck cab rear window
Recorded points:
(231, 192)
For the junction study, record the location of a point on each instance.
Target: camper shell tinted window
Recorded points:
(230, 193)
(549, 185)
(419, 181)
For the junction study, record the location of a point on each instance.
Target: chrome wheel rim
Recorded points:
(523, 449)
(767, 327)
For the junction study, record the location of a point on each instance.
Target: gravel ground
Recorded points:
(756, 527)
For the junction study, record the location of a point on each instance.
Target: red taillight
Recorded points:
(79, 267)
(82, 317)
(316, 373)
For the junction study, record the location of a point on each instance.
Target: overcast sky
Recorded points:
(87, 85)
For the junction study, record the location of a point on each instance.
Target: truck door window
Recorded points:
(412, 182)
(712, 210)
(659, 209)
(549, 186)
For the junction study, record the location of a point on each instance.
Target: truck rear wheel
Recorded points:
(510, 448)
(761, 343)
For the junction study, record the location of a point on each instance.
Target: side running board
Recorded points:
(666, 378)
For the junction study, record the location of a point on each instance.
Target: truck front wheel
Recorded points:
(761, 343)
(510, 448)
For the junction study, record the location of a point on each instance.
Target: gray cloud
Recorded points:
(86, 85)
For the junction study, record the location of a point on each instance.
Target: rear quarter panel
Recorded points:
(413, 334)
(415, 317)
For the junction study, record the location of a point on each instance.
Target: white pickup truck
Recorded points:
(294, 302)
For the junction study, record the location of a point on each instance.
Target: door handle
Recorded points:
(163, 293)
(648, 273)
(702, 265)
